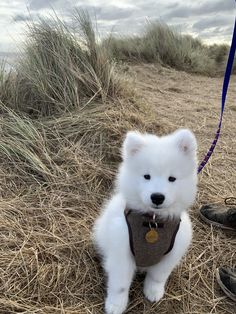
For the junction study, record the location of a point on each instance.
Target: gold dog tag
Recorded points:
(152, 236)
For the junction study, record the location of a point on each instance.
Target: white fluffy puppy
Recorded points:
(157, 178)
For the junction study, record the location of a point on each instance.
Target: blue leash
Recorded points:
(224, 93)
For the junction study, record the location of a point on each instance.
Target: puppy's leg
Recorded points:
(157, 275)
(120, 267)
(120, 270)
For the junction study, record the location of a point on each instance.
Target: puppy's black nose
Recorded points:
(157, 198)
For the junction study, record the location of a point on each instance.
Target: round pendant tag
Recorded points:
(151, 236)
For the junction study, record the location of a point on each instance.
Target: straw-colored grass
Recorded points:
(57, 165)
(160, 43)
(61, 70)
(55, 177)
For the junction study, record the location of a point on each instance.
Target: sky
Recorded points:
(210, 20)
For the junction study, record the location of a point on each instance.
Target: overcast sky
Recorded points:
(211, 20)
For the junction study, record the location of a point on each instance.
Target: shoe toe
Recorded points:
(226, 275)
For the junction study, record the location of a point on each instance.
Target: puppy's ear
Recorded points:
(132, 144)
(186, 141)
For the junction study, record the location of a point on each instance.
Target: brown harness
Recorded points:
(150, 237)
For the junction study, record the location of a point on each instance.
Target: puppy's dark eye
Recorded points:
(171, 179)
(147, 176)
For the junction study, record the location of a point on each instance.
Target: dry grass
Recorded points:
(162, 44)
(62, 68)
(54, 180)
(57, 169)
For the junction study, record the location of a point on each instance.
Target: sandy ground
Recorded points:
(191, 101)
(184, 100)
(48, 264)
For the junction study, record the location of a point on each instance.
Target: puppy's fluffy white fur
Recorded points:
(161, 157)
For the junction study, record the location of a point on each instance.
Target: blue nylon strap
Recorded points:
(228, 68)
(223, 99)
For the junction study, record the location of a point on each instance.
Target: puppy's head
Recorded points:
(159, 173)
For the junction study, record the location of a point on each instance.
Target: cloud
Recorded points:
(210, 22)
(22, 18)
(218, 32)
(107, 13)
(41, 4)
(205, 18)
(114, 13)
(206, 8)
(172, 5)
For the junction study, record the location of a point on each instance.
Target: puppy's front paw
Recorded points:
(153, 290)
(115, 305)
